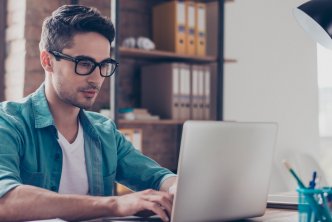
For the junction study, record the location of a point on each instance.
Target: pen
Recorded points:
(321, 212)
(312, 183)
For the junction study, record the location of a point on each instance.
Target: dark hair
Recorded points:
(68, 20)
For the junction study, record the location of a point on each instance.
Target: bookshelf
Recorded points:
(164, 56)
(161, 122)
(133, 18)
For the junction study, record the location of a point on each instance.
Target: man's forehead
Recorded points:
(90, 44)
(91, 39)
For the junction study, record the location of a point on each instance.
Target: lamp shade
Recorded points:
(315, 17)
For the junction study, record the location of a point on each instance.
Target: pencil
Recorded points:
(299, 182)
(320, 211)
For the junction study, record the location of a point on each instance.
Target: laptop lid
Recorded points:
(224, 170)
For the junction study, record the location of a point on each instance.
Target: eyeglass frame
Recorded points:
(76, 60)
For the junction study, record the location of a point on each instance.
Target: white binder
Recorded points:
(161, 89)
(194, 94)
(207, 90)
(185, 92)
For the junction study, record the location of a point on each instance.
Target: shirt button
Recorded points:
(57, 156)
(53, 188)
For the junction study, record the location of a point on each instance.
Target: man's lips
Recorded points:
(89, 93)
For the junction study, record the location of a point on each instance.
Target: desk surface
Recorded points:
(271, 215)
(279, 215)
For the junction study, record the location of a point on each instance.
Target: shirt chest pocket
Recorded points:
(37, 179)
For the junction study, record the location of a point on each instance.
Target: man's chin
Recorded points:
(86, 105)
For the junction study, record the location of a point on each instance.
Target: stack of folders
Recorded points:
(180, 27)
(177, 90)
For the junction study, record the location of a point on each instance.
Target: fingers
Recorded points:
(164, 199)
(158, 202)
(161, 202)
(157, 209)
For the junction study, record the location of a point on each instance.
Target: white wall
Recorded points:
(275, 78)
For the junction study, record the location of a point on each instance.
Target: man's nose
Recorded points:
(95, 75)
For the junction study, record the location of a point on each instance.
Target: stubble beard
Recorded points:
(71, 96)
(72, 99)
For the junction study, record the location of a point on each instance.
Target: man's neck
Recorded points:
(66, 119)
(65, 115)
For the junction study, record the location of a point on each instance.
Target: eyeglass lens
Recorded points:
(85, 67)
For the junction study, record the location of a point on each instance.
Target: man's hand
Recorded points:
(156, 201)
(39, 204)
(172, 189)
(169, 185)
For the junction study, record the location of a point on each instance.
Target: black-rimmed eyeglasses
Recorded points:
(85, 65)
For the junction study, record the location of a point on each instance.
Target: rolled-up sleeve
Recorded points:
(135, 170)
(9, 157)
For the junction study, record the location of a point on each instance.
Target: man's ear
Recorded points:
(46, 62)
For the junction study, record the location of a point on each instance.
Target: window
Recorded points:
(324, 66)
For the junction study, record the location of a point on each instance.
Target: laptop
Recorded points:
(223, 171)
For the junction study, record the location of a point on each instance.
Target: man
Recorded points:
(58, 160)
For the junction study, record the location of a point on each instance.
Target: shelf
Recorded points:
(164, 55)
(207, 1)
(160, 122)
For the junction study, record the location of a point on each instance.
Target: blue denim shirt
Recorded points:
(30, 153)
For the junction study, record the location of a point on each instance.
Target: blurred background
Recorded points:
(272, 71)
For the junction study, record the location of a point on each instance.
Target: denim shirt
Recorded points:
(30, 153)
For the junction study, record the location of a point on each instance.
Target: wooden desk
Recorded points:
(275, 215)
(271, 215)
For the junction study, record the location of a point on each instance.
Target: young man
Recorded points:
(58, 160)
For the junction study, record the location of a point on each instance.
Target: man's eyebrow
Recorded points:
(90, 58)
(85, 57)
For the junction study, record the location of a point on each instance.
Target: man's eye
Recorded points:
(105, 65)
(85, 63)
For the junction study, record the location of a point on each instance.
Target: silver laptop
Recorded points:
(224, 170)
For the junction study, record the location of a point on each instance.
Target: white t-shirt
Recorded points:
(74, 179)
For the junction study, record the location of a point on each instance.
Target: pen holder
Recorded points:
(314, 204)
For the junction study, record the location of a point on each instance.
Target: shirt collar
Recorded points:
(42, 114)
(87, 124)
